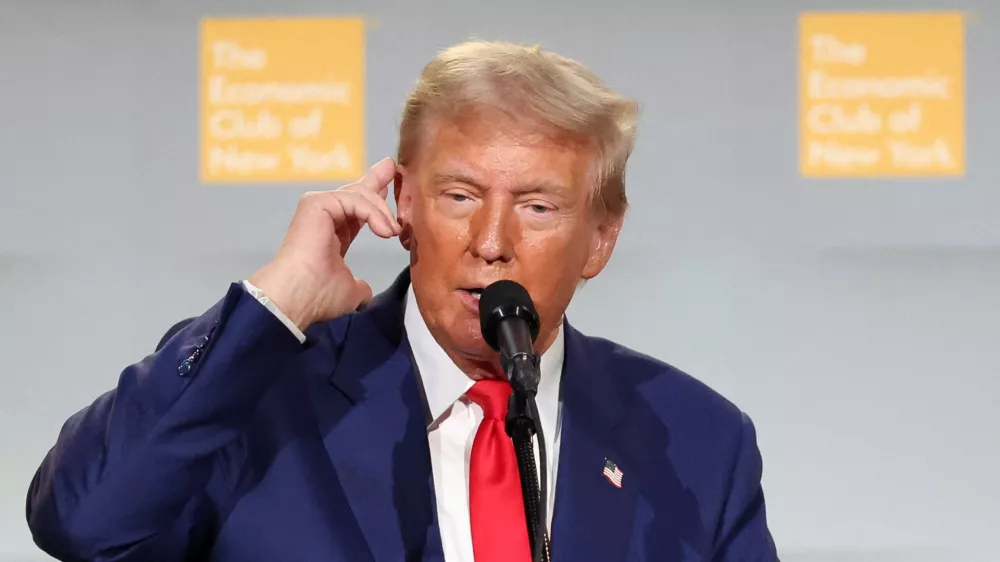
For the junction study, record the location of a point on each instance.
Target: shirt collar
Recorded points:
(444, 382)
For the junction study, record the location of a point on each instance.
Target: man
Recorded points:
(300, 419)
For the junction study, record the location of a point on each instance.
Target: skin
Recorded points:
(486, 199)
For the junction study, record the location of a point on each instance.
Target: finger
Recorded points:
(377, 179)
(378, 215)
(379, 202)
(383, 206)
(346, 205)
(347, 230)
(363, 291)
(376, 200)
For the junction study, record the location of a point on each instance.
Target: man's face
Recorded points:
(484, 200)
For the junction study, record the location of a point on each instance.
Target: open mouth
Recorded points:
(475, 292)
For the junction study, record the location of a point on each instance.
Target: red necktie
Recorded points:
(496, 507)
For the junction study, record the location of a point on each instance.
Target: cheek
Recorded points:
(554, 265)
(437, 232)
(560, 251)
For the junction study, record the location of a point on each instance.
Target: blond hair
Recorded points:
(530, 85)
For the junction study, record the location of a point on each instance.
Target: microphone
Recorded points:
(509, 323)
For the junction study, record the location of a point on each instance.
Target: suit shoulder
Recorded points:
(337, 333)
(668, 389)
(334, 331)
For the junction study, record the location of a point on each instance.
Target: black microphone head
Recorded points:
(501, 300)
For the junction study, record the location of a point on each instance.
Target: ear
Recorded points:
(403, 190)
(603, 239)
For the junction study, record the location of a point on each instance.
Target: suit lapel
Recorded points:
(371, 416)
(592, 519)
(377, 440)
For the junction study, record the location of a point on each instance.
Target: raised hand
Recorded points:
(308, 278)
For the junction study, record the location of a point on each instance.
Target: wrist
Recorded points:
(291, 296)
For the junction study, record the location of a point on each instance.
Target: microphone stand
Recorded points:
(522, 425)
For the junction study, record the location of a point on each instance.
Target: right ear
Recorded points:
(402, 187)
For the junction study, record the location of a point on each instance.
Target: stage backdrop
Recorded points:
(842, 289)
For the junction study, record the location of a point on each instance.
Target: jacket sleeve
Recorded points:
(126, 479)
(744, 535)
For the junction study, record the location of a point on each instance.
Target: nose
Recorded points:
(494, 230)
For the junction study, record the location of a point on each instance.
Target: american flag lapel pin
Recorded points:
(613, 473)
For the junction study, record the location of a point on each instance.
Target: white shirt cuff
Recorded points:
(268, 304)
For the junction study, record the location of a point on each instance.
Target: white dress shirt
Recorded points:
(456, 420)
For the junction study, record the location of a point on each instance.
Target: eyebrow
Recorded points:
(455, 177)
(534, 187)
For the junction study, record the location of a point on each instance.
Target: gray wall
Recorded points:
(855, 321)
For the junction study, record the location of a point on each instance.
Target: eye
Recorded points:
(458, 197)
(539, 209)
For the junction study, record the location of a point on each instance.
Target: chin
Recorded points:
(462, 334)
(472, 345)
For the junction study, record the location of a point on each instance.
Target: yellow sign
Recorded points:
(282, 100)
(881, 94)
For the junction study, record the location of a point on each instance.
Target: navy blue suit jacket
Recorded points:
(235, 443)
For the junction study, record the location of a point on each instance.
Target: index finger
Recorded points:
(378, 177)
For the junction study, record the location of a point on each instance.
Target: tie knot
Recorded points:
(492, 396)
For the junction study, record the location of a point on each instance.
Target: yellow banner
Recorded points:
(881, 94)
(282, 100)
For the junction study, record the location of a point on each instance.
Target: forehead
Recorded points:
(497, 149)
